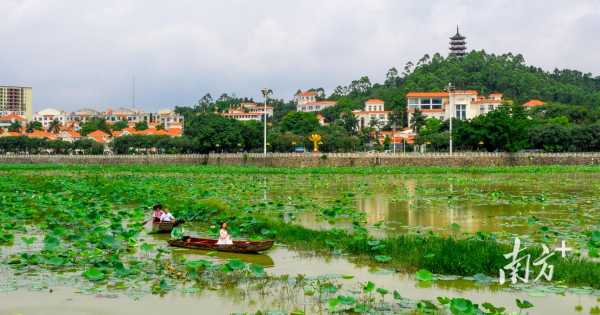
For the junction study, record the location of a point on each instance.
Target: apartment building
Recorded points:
(16, 100)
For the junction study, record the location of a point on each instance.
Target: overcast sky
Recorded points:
(80, 53)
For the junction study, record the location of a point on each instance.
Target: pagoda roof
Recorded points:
(457, 36)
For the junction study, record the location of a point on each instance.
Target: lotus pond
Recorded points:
(358, 241)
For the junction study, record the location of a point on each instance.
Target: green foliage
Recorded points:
(141, 125)
(300, 123)
(33, 125)
(94, 274)
(94, 124)
(119, 125)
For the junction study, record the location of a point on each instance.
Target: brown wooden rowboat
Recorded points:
(164, 227)
(209, 244)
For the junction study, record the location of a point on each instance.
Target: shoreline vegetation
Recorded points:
(259, 170)
(444, 255)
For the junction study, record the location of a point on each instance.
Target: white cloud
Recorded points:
(84, 53)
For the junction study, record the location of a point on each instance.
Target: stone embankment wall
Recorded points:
(312, 160)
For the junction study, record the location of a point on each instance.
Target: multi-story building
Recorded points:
(168, 118)
(46, 116)
(127, 114)
(306, 101)
(457, 104)
(249, 111)
(373, 115)
(16, 100)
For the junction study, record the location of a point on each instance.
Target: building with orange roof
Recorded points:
(11, 134)
(460, 104)
(249, 111)
(373, 114)
(306, 101)
(69, 135)
(398, 137)
(7, 120)
(99, 136)
(41, 134)
(533, 103)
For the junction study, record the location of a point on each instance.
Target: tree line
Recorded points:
(567, 122)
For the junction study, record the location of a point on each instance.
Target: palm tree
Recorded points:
(54, 126)
(15, 126)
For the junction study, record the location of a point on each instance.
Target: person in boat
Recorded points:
(167, 217)
(224, 237)
(157, 212)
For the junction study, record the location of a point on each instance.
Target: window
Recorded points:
(461, 111)
(481, 109)
(490, 107)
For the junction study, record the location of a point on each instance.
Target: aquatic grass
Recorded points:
(222, 169)
(411, 252)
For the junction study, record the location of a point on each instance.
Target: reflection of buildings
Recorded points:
(418, 208)
(377, 208)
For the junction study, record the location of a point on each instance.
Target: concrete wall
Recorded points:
(312, 160)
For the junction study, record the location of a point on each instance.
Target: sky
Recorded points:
(84, 53)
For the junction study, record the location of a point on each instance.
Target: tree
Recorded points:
(119, 125)
(211, 132)
(15, 126)
(349, 122)
(391, 78)
(504, 129)
(417, 121)
(252, 134)
(54, 126)
(33, 125)
(93, 124)
(141, 125)
(205, 102)
(300, 123)
(160, 127)
(88, 146)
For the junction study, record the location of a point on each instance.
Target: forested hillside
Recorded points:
(479, 71)
(570, 120)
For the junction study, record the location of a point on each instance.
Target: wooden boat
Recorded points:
(164, 227)
(209, 244)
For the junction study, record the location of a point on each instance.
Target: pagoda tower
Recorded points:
(458, 45)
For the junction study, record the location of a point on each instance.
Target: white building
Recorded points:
(457, 104)
(249, 111)
(127, 114)
(46, 116)
(374, 115)
(168, 118)
(306, 101)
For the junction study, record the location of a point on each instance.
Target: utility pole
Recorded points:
(450, 89)
(266, 93)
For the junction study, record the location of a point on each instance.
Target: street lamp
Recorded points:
(266, 93)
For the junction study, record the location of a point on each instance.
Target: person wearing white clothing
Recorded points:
(224, 237)
(167, 217)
